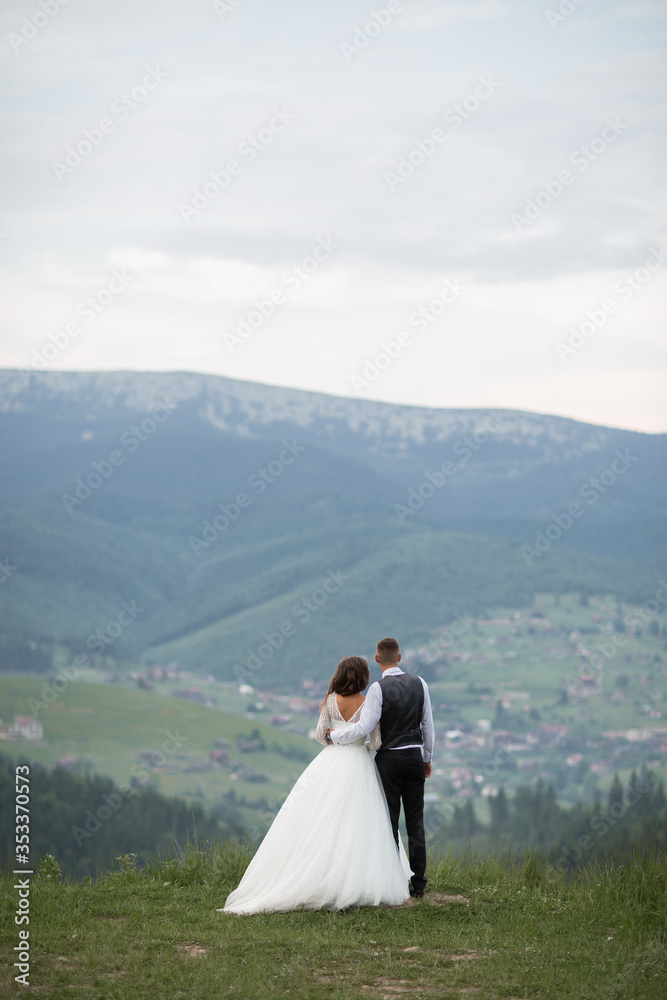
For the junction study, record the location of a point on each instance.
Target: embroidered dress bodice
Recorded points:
(331, 718)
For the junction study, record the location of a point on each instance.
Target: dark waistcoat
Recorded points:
(402, 707)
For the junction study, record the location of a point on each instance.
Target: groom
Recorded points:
(402, 704)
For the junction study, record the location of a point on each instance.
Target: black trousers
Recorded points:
(402, 775)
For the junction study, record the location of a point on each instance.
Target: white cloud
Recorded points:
(648, 10)
(325, 175)
(428, 15)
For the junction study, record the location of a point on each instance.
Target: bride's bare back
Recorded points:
(348, 704)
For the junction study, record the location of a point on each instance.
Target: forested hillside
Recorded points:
(233, 527)
(86, 821)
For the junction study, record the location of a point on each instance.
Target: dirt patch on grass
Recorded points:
(432, 897)
(61, 962)
(387, 989)
(441, 898)
(392, 987)
(192, 950)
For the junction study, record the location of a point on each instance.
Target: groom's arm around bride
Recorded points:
(402, 705)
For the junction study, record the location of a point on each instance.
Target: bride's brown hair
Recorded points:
(351, 676)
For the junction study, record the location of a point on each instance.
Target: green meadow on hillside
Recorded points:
(107, 729)
(494, 929)
(533, 654)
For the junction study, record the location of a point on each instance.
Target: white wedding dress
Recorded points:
(331, 844)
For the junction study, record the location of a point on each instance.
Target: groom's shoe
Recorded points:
(416, 893)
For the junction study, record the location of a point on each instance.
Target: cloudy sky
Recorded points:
(470, 194)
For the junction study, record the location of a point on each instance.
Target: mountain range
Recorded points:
(262, 532)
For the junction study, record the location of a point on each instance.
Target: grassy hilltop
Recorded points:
(487, 928)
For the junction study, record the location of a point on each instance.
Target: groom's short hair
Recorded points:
(388, 651)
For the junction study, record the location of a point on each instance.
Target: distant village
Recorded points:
(511, 744)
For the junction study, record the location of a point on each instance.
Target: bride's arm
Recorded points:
(376, 738)
(324, 724)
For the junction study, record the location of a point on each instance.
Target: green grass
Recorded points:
(111, 725)
(516, 929)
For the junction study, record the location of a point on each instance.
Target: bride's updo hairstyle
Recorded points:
(351, 677)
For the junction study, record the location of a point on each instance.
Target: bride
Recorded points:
(331, 845)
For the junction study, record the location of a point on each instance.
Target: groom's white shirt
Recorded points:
(372, 710)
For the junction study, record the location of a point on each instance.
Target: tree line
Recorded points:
(86, 822)
(633, 818)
